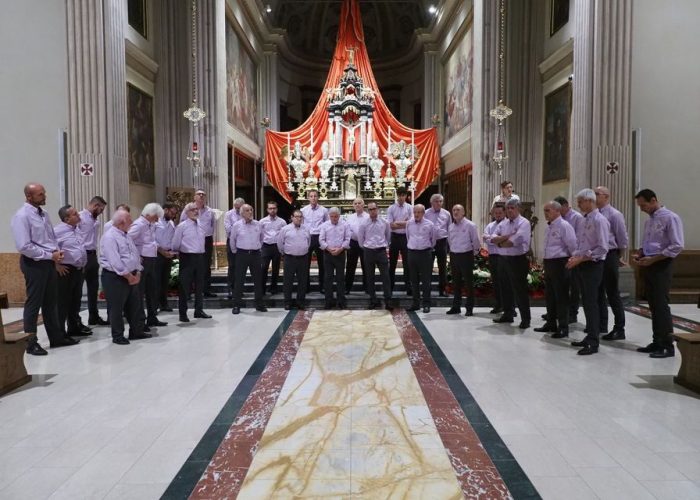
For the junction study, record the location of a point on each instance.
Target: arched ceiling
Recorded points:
(312, 25)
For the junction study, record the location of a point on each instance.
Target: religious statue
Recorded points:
(324, 164)
(298, 163)
(375, 164)
(402, 165)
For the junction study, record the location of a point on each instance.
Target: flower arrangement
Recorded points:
(174, 282)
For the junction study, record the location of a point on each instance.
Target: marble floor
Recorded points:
(341, 402)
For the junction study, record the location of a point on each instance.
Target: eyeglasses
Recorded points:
(375, 208)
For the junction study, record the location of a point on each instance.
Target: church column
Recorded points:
(268, 87)
(87, 123)
(431, 84)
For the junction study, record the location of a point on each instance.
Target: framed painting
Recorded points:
(138, 16)
(241, 86)
(557, 123)
(558, 15)
(458, 86)
(141, 140)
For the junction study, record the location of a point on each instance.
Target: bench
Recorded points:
(689, 372)
(13, 373)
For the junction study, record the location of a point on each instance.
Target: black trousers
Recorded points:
(610, 288)
(315, 248)
(496, 281)
(377, 257)
(295, 266)
(248, 259)
(121, 296)
(270, 253)
(148, 287)
(40, 278)
(557, 283)
(574, 298)
(514, 285)
(163, 268)
(231, 271)
(462, 265)
(590, 275)
(420, 264)
(193, 268)
(334, 274)
(657, 283)
(208, 253)
(399, 245)
(440, 253)
(70, 292)
(91, 275)
(354, 253)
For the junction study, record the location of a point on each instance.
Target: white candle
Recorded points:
(413, 146)
(312, 138)
(388, 149)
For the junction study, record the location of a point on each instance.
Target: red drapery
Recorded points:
(351, 34)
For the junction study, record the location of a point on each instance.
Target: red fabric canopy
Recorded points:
(351, 34)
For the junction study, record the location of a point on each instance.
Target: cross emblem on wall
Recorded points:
(612, 167)
(87, 169)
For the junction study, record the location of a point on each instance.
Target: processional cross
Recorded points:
(351, 54)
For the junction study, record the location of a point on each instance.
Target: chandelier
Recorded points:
(194, 113)
(501, 111)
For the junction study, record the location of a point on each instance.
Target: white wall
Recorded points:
(34, 106)
(666, 104)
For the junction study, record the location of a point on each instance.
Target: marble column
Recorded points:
(431, 84)
(270, 105)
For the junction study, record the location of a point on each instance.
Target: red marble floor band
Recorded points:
(229, 465)
(476, 472)
(678, 321)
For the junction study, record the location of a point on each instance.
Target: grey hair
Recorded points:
(586, 194)
(436, 197)
(63, 212)
(419, 206)
(240, 201)
(334, 210)
(119, 216)
(555, 205)
(189, 207)
(152, 209)
(513, 203)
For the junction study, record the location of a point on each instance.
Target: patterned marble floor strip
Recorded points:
(678, 322)
(222, 446)
(483, 463)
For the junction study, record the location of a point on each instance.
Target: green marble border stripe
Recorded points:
(513, 475)
(189, 474)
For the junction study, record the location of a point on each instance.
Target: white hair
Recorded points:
(334, 210)
(189, 207)
(586, 194)
(119, 216)
(436, 197)
(419, 206)
(152, 209)
(240, 201)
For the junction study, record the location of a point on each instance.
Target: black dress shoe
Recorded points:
(615, 334)
(121, 341)
(35, 349)
(426, 309)
(546, 328)
(85, 329)
(667, 352)
(210, 295)
(544, 316)
(184, 319)
(469, 313)
(649, 348)
(261, 309)
(504, 319)
(167, 309)
(157, 322)
(140, 337)
(414, 307)
(524, 325)
(573, 319)
(562, 333)
(442, 293)
(202, 315)
(64, 342)
(287, 307)
(453, 310)
(587, 350)
(579, 343)
(236, 310)
(146, 329)
(496, 310)
(97, 321)
(80, 333)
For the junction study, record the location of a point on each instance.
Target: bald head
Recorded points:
(246, 212)
(602, 196)
(35, 194)
(458, 212)
(552, 210)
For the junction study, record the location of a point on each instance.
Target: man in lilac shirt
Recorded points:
(398, 215)
(617, 244)
(165, 229)
(246, 241)
(143, 233)
(587, 262)
(271, 225)
(512, 237)
(661, 243)
(420, 240)
(559, 245)
(498, 213)
(230, 218)
(35, 240)
(314, 216)
(463, 240)
(574, 219)
(70, 271)
(334, 240)
(121, 273)
(188, 243)
(88, 226)
(355, 252)
(441, 219)
(207, 220)
(293, 243)
(373, 236)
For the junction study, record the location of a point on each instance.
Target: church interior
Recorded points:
(253, 112)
